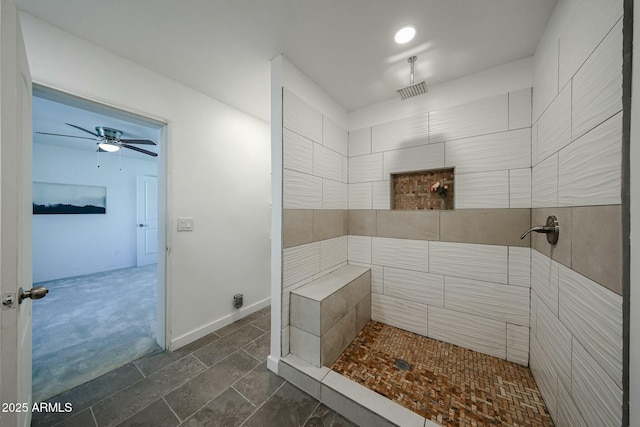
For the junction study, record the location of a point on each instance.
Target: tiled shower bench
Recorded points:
(328, 313)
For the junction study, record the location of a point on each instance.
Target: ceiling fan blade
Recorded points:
(138, 141)
(140, 150)
(67, 136)
(83, 129)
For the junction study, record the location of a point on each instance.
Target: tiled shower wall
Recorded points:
(576, 302)
(460, 276)
(314, 198)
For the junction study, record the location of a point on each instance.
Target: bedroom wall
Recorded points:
(72, 245)
(576, 287)
(216, 164)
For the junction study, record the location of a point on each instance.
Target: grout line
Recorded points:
(204, 364)
(245, 397)
(312, 412)
(93, 415)
(140, 370)
(265, 401)
(252, 356)
(171, 409)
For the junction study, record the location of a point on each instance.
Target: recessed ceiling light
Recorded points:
(405, 35)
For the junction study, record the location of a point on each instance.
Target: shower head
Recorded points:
(414, 89)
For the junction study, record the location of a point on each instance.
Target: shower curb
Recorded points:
(350, 399)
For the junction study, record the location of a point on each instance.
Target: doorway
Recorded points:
(105, 306)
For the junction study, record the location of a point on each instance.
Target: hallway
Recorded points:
(220, 379)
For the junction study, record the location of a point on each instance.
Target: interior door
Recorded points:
(147, 220)
(15, 221)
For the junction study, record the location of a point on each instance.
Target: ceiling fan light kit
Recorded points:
(109, 147)
(109, 139)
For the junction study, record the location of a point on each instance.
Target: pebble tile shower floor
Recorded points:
(447, 384)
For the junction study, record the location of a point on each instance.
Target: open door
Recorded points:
(147, 220)
(15, 222)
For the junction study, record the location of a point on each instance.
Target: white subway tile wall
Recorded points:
(482, 190)
(520, 109)
(555, 340)
(595, 394)
(381, 195)
(333, 252)
(481, 117)
(423, 288)
(365, 168)
(359, 142)
(589, 168)
(413, 159)
(593, 314)
(301, 118)
(413, 275)
(519, 266)
(575, 323)
(468, 331)
(361, 195)
(544, 183)
(520, 188)
(408, 132)
(498, 151)
(400, 253)
(471, 261)
(518, 344)
(509, 304)
(597, 86)
(554, 126)
(334, 136)
(335, 194)
(403, 314)
(315, 158)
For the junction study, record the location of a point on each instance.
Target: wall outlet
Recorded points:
(237, 300)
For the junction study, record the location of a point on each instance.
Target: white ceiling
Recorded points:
(223, 48)
(51, 112)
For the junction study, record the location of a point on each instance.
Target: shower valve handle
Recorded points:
(552, 230)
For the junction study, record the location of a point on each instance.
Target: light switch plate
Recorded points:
(185, 223)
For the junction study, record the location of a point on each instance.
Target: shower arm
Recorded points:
(551, 229)
(412, 61)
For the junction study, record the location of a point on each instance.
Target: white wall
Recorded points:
(217, 172)
(71, 245)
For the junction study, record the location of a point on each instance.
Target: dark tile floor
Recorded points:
(219, 380)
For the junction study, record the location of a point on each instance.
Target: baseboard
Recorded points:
(200, 332)
(272, 363)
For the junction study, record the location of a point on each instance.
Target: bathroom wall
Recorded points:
(459, 276)
(314, 190)
(576, 286)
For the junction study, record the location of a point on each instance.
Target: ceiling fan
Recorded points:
(109, 139)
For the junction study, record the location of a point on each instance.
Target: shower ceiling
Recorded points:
(222, 48)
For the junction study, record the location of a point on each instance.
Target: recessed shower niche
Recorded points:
(431, 189)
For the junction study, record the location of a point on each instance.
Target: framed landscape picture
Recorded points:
(52, 198)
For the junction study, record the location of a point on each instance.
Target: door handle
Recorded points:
(36, 292)
(142, 225)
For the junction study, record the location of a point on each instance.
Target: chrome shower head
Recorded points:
(414, 89)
